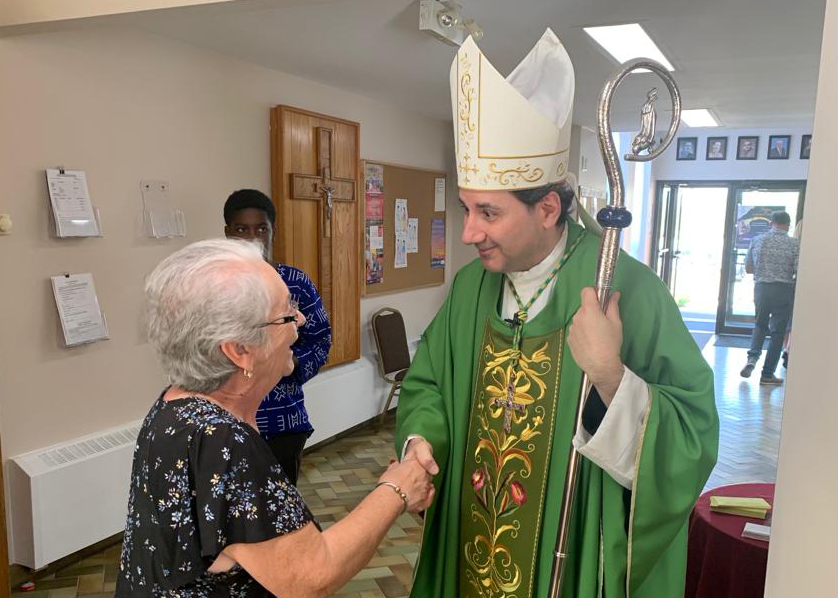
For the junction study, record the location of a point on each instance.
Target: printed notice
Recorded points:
(412, 235)
(401, 216)
(71, 205)
(439, 195)
(78, 309)
(374, 178)
(401, 251)
(437, 243)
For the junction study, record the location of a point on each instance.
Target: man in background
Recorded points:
(282, 417)
(772, 259)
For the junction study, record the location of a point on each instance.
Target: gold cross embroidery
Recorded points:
(510, 405)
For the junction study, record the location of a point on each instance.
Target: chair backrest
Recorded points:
(390, 340)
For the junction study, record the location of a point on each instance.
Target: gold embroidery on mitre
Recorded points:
(561, 168)
(465, 102)
(467, 168)
(513, 176)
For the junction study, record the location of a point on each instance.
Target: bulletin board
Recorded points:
(418, 187)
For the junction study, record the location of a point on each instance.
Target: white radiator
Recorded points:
(69, 496)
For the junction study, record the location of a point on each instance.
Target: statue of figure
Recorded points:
(645, 139)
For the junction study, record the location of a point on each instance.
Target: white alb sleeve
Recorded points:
(614, 445)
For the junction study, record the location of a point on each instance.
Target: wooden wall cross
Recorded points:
(323, 188)
(315, 173)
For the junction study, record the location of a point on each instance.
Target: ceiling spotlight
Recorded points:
(443, 20)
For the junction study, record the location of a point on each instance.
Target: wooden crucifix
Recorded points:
(323, 187)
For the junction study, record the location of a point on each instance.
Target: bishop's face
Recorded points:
(509, 235)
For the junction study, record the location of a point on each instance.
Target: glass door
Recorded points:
(667, 195)
(749, 215)
(690, 245)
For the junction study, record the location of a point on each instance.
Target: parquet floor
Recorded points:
(337, 476)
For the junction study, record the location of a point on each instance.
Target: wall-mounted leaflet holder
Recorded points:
(72, 212)
(162, 219)
(82, 321)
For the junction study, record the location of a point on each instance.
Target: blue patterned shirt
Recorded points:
(773, 256)
(283, 410)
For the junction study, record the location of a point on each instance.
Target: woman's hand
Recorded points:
(414, 481)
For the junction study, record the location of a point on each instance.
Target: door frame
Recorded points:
(733, 188)
(670, 217)
(736, 187)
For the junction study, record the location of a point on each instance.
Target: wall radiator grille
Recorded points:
(88, 448)
(69, 496)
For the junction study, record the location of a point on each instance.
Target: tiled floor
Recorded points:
(750, 415)
(336, 477)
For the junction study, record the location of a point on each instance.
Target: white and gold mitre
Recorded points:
(512, 133)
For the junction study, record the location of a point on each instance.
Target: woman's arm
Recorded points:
(310, 564)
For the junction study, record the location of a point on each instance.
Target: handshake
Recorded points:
(413, 475)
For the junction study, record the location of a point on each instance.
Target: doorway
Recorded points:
(690, 240)
(702, 234)
(749, 215)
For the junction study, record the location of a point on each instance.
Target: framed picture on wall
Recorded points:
(746, 147)
(717, 148)
(778, 147)
(686, 148)
(805, 147)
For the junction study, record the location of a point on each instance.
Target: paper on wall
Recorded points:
(401, 251)
(376, 237)
(78, 309)
(71, 205)
(401, 216)
(412, 235)
(439, 195)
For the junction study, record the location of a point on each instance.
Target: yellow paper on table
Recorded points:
(735, 505)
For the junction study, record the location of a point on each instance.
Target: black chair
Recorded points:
(393, 354)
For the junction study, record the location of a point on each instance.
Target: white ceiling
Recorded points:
(754, 63)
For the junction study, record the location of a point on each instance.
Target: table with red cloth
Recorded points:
(720, 562)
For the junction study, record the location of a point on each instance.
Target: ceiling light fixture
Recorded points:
(699, 117)
(627, 42)
(443, 20)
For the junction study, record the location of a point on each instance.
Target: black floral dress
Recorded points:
(201, 480)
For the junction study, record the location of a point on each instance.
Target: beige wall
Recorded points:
(124, 105)
(26, 12)
(804, 533)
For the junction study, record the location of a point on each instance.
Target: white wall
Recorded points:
(591, 167)
(124, 105)
(804, 531)
(667, 168)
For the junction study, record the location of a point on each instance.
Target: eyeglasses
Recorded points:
(285, 319)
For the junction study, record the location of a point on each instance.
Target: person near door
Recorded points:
(282, 417)
(772, 259)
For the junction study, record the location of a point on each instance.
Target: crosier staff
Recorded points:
(613, 218)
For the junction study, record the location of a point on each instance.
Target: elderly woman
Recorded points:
(210, 512)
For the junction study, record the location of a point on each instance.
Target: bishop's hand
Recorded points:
(420, 449)
(595, 340)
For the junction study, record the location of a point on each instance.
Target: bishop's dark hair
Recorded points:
(530, 197)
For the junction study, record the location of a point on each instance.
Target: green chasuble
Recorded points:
(624, 543)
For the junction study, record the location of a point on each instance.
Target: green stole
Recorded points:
(503, 504)
(513, 414)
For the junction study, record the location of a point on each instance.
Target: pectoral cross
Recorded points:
(509, 405)
(323, 187)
